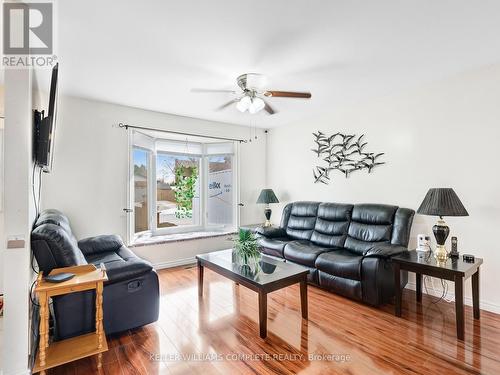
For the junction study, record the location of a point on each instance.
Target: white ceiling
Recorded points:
(149, 54)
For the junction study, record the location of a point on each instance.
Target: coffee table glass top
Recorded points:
(269, 270)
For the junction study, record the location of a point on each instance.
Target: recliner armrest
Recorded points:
(100, 244)
(385, 251)
(271, 232)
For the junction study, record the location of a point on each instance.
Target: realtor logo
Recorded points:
(27, 28)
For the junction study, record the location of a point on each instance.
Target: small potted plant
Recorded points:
(246, 251)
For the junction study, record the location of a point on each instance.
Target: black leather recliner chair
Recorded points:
(130, 297)
(347, 248)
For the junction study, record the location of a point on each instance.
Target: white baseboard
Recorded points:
(484, 305)
(174, 263)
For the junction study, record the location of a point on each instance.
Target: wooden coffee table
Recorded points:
(272, 275)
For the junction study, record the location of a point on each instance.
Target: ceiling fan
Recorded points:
(252, 97)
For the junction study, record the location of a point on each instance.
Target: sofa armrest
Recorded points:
(100, 244)
(385, 251)
(271, 232)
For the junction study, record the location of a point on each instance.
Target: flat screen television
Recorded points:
(45, 128)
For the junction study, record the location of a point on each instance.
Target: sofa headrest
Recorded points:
(305, 208)
(53, 216)
(370, 213)
(53, 243)
(335, 211)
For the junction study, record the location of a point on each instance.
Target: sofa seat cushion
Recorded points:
(340, 263)
(303, 252)
(121, 265)
(273, 246)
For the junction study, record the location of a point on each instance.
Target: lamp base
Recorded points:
(441, 232)
(440, 254)
(267, 213)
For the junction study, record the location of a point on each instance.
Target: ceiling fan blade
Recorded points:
(226, 105)
(268, 108)
(287, 94)
(213, 90)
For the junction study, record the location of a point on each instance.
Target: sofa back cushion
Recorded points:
(53, 242)
(370, 224)
(332, 224)
(300, 219)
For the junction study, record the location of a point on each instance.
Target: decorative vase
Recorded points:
(246, 254)
(245, 261)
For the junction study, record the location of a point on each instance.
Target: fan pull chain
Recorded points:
(253, 128)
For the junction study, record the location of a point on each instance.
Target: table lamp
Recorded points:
(267, 196)
(441, 202)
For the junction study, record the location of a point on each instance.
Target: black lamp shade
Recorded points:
(442, 202)
(267, 196)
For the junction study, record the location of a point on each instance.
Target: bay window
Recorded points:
(179, 186)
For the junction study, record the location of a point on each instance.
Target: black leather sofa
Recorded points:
(347, 248)
(130, 297)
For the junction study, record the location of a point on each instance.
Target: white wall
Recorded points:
(443, 135)
(90, 174)
(18, 218)
(2, 239)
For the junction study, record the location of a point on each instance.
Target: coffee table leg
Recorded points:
(263, 314)
(418, 277)
(303, 298)
(200, 279)
(459, 306)
(475, 293)
(397, 288)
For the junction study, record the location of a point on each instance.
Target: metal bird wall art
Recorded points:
(342, 152)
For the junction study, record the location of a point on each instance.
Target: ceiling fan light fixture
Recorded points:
(252, 95)
(244, 104)
(256, 106)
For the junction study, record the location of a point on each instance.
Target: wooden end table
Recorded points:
(87, 277)
(455, 270)
(273, 275)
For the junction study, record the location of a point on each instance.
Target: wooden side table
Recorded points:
(455, 270)
(87, 277)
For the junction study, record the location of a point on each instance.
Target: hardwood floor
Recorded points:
(220, 335)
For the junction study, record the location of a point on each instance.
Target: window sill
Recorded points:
(148, 239)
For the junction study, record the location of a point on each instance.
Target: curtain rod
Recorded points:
(126, 126)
